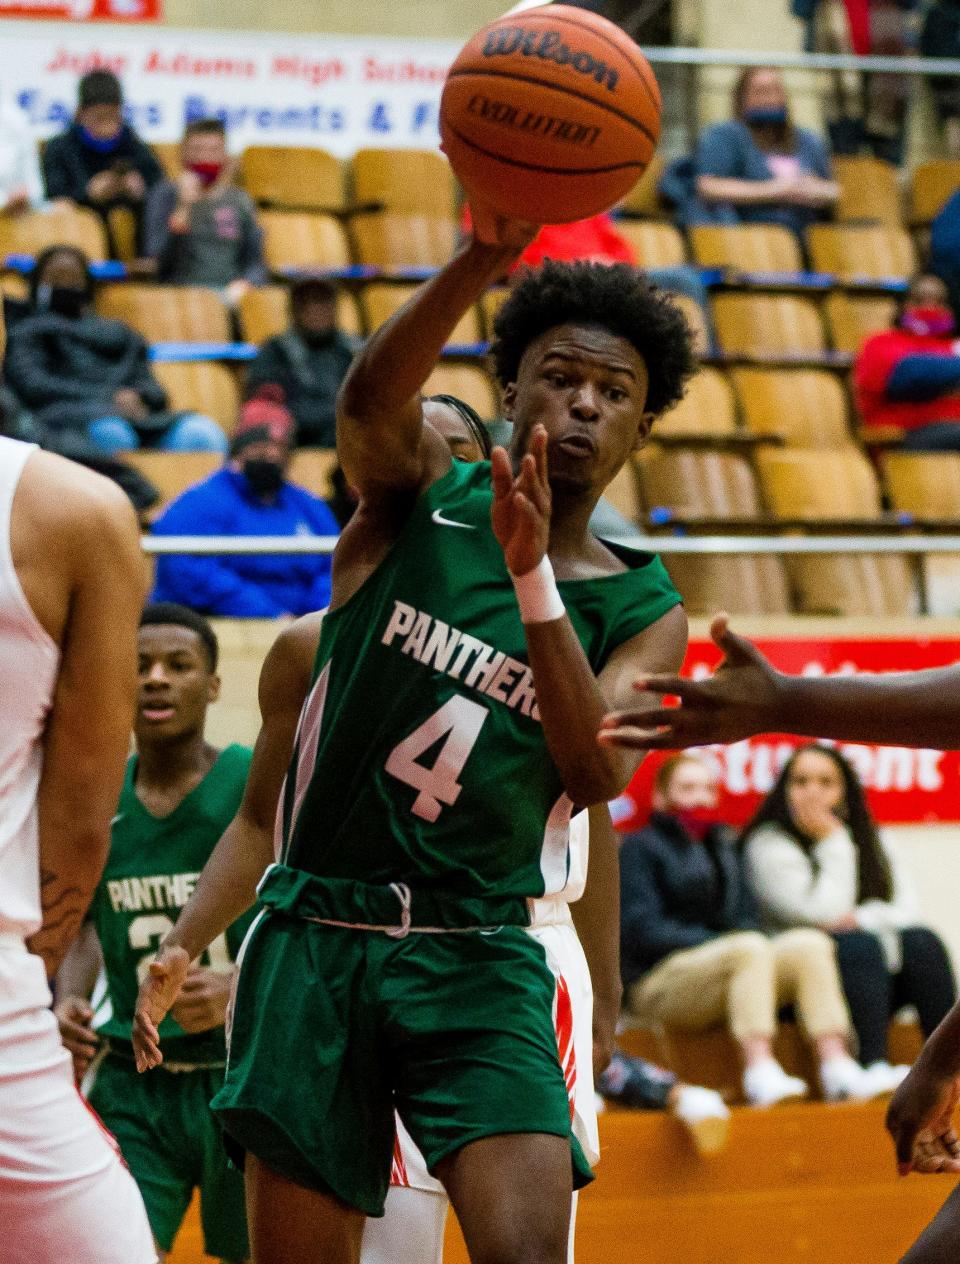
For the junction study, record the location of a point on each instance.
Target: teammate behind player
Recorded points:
(71, 585)
(178, 797)
(416, 809)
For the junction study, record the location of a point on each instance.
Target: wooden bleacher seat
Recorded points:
(807, 408)
(656, 244)
(643, 198)
(746, 247)
(924, 484)
(389, 239)
(264, 312)
(869, 191)
(490, 303)
(468, 382)
(304, 240)
(60, 224)
(852, 318)
(933, 183)
(624, 494)
(767, 325)
(697, 320)
(167, 313)
(168, 152)
(293, 176)
(380, 299)
(311, 468)
(740, 583)
(410, 181)
(697, 484)
(708, 408)
(173, 472)
(202, 386)
(874, 251)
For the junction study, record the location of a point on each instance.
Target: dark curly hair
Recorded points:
(616, 297)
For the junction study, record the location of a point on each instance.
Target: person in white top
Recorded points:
(71, 587)
(815, 858)
(21, 184)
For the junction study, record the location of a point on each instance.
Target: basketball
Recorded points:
(550, 115)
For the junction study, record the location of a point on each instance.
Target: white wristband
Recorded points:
(537, 594)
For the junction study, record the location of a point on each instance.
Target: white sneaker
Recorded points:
(843, 1079)
(705, 1116)
(886, 1078)
(767, 1084)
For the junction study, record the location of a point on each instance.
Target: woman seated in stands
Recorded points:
(80, 373)
(908, 377)
(694, 956)
(759, 168)
(815, 860)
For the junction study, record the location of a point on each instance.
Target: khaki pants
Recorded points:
(742, 979)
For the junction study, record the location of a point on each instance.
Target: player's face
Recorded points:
(176, 684)
(815, 780)
(691, 786)
(451, 427)
(588, 387)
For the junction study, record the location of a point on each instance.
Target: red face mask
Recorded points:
(697, 821)
(207, 173)
(934, 321)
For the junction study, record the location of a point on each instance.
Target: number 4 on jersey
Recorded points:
(459, 720)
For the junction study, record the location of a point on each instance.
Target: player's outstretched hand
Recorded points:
(741, 698)
(920, 1121)
(160, 988)
(74, 1016)
(491, 229)
(522, 505)
(203, 1000)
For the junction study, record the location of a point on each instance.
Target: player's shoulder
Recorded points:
(68, 497)
(288, 666)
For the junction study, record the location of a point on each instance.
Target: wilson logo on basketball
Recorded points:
(532, 121)
(504, 41)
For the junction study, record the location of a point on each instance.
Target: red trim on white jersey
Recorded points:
(398, 1169)
(563, 1026)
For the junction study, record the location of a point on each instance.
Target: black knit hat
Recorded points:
(99, 87)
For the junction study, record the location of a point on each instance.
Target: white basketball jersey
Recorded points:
(29, 660)
(555, 909)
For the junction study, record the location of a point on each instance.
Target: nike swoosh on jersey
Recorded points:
(439, 519)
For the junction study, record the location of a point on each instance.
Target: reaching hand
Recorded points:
(741, 698)
(521, 506)
(158, 991)
(491, 229)
(203, 999)
(920, 1121)
(74, 1016)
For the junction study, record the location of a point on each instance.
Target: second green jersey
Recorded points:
(153, 866)
(420, 756)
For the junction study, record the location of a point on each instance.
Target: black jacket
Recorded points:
(310, 378)
(69, 165)
(677, 893)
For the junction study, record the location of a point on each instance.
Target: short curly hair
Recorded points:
(616, 297)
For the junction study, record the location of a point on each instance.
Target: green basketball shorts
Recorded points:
(332, 1027)
(172, 1145)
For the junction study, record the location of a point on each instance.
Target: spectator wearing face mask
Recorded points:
(201, 229)
(308, 362)
(250, 495)
(100, 161)
(909, 376)
(80, 373)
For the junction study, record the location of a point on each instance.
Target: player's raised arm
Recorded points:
(382, 442)
(88, 522)
(227, 887)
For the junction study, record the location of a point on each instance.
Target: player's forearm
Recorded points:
(392, 367)
(71, 863)
(941, 1054)
(78, 971)
(596, 916)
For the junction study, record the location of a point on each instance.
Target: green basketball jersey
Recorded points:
(420, 756)
(152, 868)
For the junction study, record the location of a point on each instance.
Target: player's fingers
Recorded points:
(543, 465)
(673, 686)
(661, 718)
(904, 1141)
(636, 739)
(501, 473)
(737, 650)
(79, 1035)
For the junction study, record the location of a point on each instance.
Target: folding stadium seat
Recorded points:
(173, 472)
(411, 181)
(852, 318)
(933, 184)
(312, 467)
(806, 407)
(265, 311)
(698, 484)
(708, 408)
(381, 299)
(290, 175)
(168, 154)
(768, 325)
(746, 247)
(624, 495)
(854, 250)
(740, 583)
(643, 198)
(304, 240)
(388, 239)
(60, 224)
(657, 245)
(202, 386)
(167, 313)
(698, 320)
(924, 484)
(468, 382)
(490, 303)
(869, 191)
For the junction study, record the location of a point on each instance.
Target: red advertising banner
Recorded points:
(905, 785)
(84, 10)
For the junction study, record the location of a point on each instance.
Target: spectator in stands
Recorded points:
(940, 37)
(759, 168)
(77, 371)
(251, 495)
(909, 376)
(100, 161)
(201, 229)
(308, 362)
(815, 859)
(21, 185)
(945, 247)
(693, 954)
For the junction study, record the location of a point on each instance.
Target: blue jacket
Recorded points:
(245, 586)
